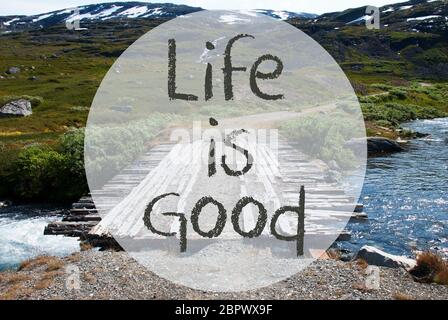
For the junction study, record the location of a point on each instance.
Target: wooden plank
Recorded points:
(276, 180)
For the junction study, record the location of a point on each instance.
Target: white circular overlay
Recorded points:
(225, 151)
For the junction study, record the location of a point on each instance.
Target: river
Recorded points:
(404, 195)
(21, 235)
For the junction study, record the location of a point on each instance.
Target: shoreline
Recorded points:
(115, 275)
(61, 210)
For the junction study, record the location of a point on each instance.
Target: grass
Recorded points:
(20, 284)
(395, 105)
(361, 287)
(430, 268)
(402, 296)
(74, 257)
(89, 278)
(12, 278)
(51, 263)
(69, 68)
(362, 264)
(16, 285)
(334, 254)
(15, 292)
(47, 279)
(85, 246)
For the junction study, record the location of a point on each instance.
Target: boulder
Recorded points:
(13, 70)
(375, 145)
(376, 257)
(378, 145)
(21, 107)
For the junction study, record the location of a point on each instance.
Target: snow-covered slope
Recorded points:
(100, 12)
(414, 15)
(286, 15)
(121, 10)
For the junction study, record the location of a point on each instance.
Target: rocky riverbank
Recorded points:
(114, 275)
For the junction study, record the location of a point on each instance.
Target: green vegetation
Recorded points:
(395, 105)
(328, 136)
(392, 114)
(60, 71)
(56, 174)
(122, 142)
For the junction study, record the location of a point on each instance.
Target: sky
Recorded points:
(30, 7)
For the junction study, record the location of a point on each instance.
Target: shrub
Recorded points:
(383, 123)
(71, 146)
(360, 88)
(430, 268)
(34, 171)
(396, 113)
(329, 136)
(112, 148)
(398, 94)
(380, 86)
(375, 98)
(51, 174)
(58, 173)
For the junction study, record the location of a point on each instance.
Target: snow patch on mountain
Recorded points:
(360, 19)
(424, 18)
(281, 14)
(285, 15)
(232, 19)
(134, 12)
(154, 12)
(42, 17)
(92, 15)
(7, 23)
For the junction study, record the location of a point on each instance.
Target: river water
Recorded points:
(21, 235)
(405, 196)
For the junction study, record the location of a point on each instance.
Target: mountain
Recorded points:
(414, 15)
(99, 12)
(120, 11)
(411, 43)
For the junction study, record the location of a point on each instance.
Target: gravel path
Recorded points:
(114, 275)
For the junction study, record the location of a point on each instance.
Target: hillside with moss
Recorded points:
(399, 72)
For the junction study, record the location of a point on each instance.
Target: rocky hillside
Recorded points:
(411, 43)
(118, 11)
(98, 12)
(414, 16)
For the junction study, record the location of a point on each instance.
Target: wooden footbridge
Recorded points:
(274, 180)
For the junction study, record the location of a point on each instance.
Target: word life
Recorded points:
(228, 71)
